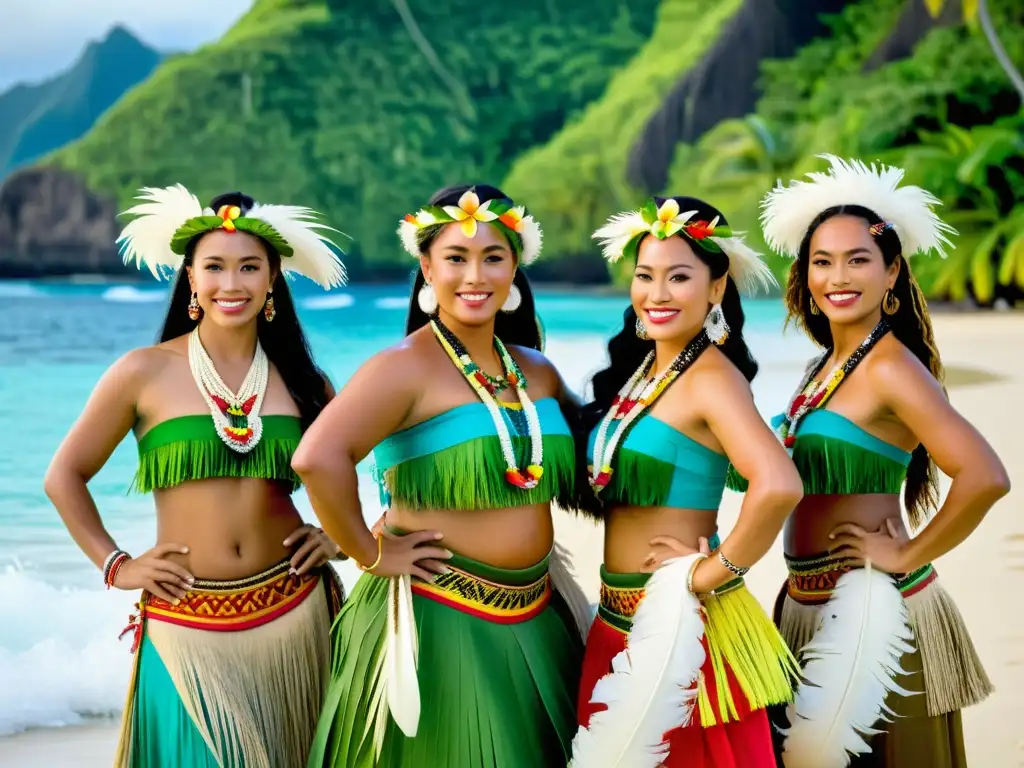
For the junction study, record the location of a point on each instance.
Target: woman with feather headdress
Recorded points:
(887, 661)
(681, 662)
(457, 647)
(232, 633)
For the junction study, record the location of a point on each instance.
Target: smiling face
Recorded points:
(846, 274)
(672, 288)
(471, 276)
(232, 276)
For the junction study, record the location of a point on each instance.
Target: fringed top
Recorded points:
(836, 457)
(187, 448)
(454, 460)
(659, 466)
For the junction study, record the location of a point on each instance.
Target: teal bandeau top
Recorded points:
(659, 466)
(836, 457)
(187, 448)
(454, 460)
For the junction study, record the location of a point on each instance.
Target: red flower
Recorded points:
(698, 230)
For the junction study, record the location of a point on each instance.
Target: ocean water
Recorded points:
(60, 660)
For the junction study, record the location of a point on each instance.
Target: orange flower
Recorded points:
(513, 218)
(229, 213)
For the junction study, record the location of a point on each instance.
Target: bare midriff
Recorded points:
(816, 516)
(628, 532)
(511, 537)
(233, 527)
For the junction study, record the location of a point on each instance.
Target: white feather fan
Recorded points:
(849, 668)
(787, 211)
(147, 238)
(312, 255)
(652, 688)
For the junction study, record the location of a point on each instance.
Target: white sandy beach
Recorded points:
(985, 575)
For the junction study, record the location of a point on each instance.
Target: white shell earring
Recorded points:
(427, 299)
(515, 298)
(715, 326)
(641, 330)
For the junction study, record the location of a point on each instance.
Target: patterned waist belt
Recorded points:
(618, 604)
(499, 603)
(811, 581)
(229, 606)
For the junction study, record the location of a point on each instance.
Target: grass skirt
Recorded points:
(498, 669)
(943, 666)
(233, 676)
(747, 668)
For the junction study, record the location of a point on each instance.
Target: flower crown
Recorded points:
(171, 217)
(787, 212)
(623, 232)
(521, 229)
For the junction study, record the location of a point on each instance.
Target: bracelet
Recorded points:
(740, 572)
(693, 570)
(112, 565)
(380, 554)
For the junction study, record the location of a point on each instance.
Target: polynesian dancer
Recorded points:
(681, 661)
(232, 634)
(457, 647)
(883, 646)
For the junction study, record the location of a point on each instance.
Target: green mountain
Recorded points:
(37, 119)
(362, 110)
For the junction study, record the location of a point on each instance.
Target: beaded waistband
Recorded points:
(621, 594)
(499, 603)
(811, 580)
(231, 606)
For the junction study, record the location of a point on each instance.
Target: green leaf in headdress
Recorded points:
(198, 225)
(261, 229)
(649, 212)
(632, 248)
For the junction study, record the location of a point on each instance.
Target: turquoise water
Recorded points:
(58, 637)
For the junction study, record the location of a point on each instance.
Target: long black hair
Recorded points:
(521, 327)
(283, 340)
(626, 351)
(910, 324)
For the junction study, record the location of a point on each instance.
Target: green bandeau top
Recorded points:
(187, 448)
(454, 460)
(834, 456)
(659, 466)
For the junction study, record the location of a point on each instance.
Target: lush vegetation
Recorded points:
(362, 110)
(37, 119)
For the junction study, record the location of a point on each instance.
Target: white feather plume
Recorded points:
(407, 235)
(849, 667)
(312, 255)
(533, 240)
(563, 577)
(615, 235)
(146, 239)
(746, 266)
(787, 211)
(652, 688)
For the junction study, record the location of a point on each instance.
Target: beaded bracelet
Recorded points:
(380, 554)
(112, 565)
(739, 571)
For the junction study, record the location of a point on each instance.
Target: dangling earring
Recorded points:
(515, 298)
(641, 330)
(194, 310)
(427, 299)
(268, 309)
(890, 304)
(715, 326)
(814, 307)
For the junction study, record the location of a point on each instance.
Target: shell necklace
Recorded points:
(635, 397)
(235, 415)
(529, 478)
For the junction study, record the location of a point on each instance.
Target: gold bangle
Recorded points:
(380, 554)
(693, 570)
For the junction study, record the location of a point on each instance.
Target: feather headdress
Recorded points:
(622, 233)
(788, 211)
(522, 229)
(652, 687)
(171, 217)
(849, 667)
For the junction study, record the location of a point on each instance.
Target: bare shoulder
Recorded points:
(713, 376)
(133, 369)
(890, 364)
(539, 371)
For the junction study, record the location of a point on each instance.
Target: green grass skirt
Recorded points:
(493, 695)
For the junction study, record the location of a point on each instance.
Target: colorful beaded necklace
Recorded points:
(636, 395)
(810, 395)
(486, 391)
(236, 415)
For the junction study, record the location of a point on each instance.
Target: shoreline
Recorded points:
(984, 574)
